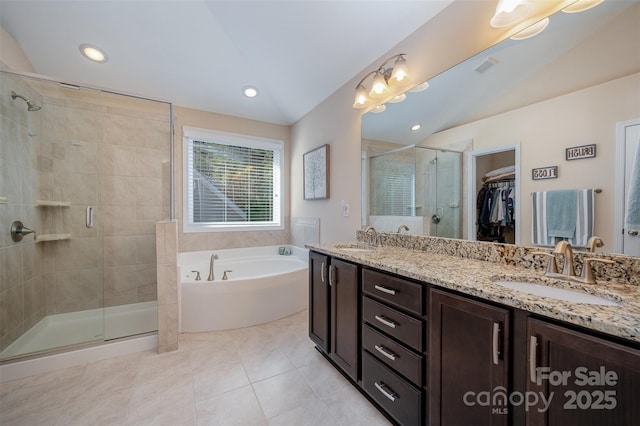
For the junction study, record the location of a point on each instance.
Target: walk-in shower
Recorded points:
(417, 186)
(90, 174)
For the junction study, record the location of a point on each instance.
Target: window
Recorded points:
(232, 182)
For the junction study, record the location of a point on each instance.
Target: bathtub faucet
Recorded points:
(214, 257)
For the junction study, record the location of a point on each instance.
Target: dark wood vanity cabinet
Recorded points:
(334, 319)
(319, 300)
(393, 345)
(468, 358)
(430, 356)
(585, 380)
(345, 318)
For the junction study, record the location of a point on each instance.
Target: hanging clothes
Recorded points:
(496, 207)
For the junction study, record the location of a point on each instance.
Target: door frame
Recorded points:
(472, 189)
(619, 169)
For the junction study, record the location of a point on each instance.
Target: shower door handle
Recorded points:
(632, 232)
(89, 218)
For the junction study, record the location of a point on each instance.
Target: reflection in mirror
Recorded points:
(418, 187)
(568, 86)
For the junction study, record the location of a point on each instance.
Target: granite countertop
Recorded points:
(476, 278)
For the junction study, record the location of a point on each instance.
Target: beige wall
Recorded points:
(545, 129)
(11, 55)
(456, 34)
(219, 240)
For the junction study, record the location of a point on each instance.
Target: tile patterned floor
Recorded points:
(264, 375)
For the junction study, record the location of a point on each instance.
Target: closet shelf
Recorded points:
(48, 203)
(52, 237)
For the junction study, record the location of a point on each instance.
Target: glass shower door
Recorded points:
(89, 172)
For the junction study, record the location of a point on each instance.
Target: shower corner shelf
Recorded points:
(52, 237)
(48, 203)
(4, 200)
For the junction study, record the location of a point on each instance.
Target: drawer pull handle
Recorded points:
(385, 352)
(496, 341)
(385, 289)
(533, 344)
(386, 321)
(381, 387)
(322, 272)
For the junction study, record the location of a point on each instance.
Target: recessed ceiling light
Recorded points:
(416, 127)
(420, 87)
(250, 91)
(401, 97)
(93, 53)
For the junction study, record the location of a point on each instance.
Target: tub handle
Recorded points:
(322, 272)
(197, 275)
(224, 276)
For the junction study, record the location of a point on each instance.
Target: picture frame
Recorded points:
(315, 165)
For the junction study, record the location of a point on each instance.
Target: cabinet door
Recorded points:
(468, 360)
(319, 300)
(345, 342)
(587, 380)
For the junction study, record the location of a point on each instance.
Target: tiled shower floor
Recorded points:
(264, 375)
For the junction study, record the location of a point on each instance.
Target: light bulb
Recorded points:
(379, 86)
(399, 72)
(361, 98)
(510, 12)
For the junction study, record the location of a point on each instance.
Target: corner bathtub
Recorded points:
(263, 286)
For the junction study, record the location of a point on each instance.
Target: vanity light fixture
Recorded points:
(511, 12)
(379, 109)
(93, 53)
(581, 5)
(250, 91)
(416, 127)
(384, 81)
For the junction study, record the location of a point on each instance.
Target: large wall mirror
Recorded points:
(519, 104)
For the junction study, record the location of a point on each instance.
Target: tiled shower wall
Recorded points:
(23, 275)
(88, 153)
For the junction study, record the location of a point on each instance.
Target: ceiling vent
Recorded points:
(485, 65)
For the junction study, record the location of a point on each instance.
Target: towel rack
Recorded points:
(596, 190)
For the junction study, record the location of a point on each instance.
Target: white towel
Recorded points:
(585, 215)
(632, 215)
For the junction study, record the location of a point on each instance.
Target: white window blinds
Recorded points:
(233, 181)
(392, 187)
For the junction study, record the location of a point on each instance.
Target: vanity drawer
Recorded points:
(393, 354)
(396, 291)
(401, 326)
(397, 396)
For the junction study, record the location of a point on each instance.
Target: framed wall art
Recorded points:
(316, 173)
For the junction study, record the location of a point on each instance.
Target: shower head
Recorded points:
(30, 105)
(434, 160)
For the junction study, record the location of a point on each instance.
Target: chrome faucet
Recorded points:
(403, 228)
(372, 239)
(214, 257)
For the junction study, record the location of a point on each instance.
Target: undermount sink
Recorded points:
(542, 290)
